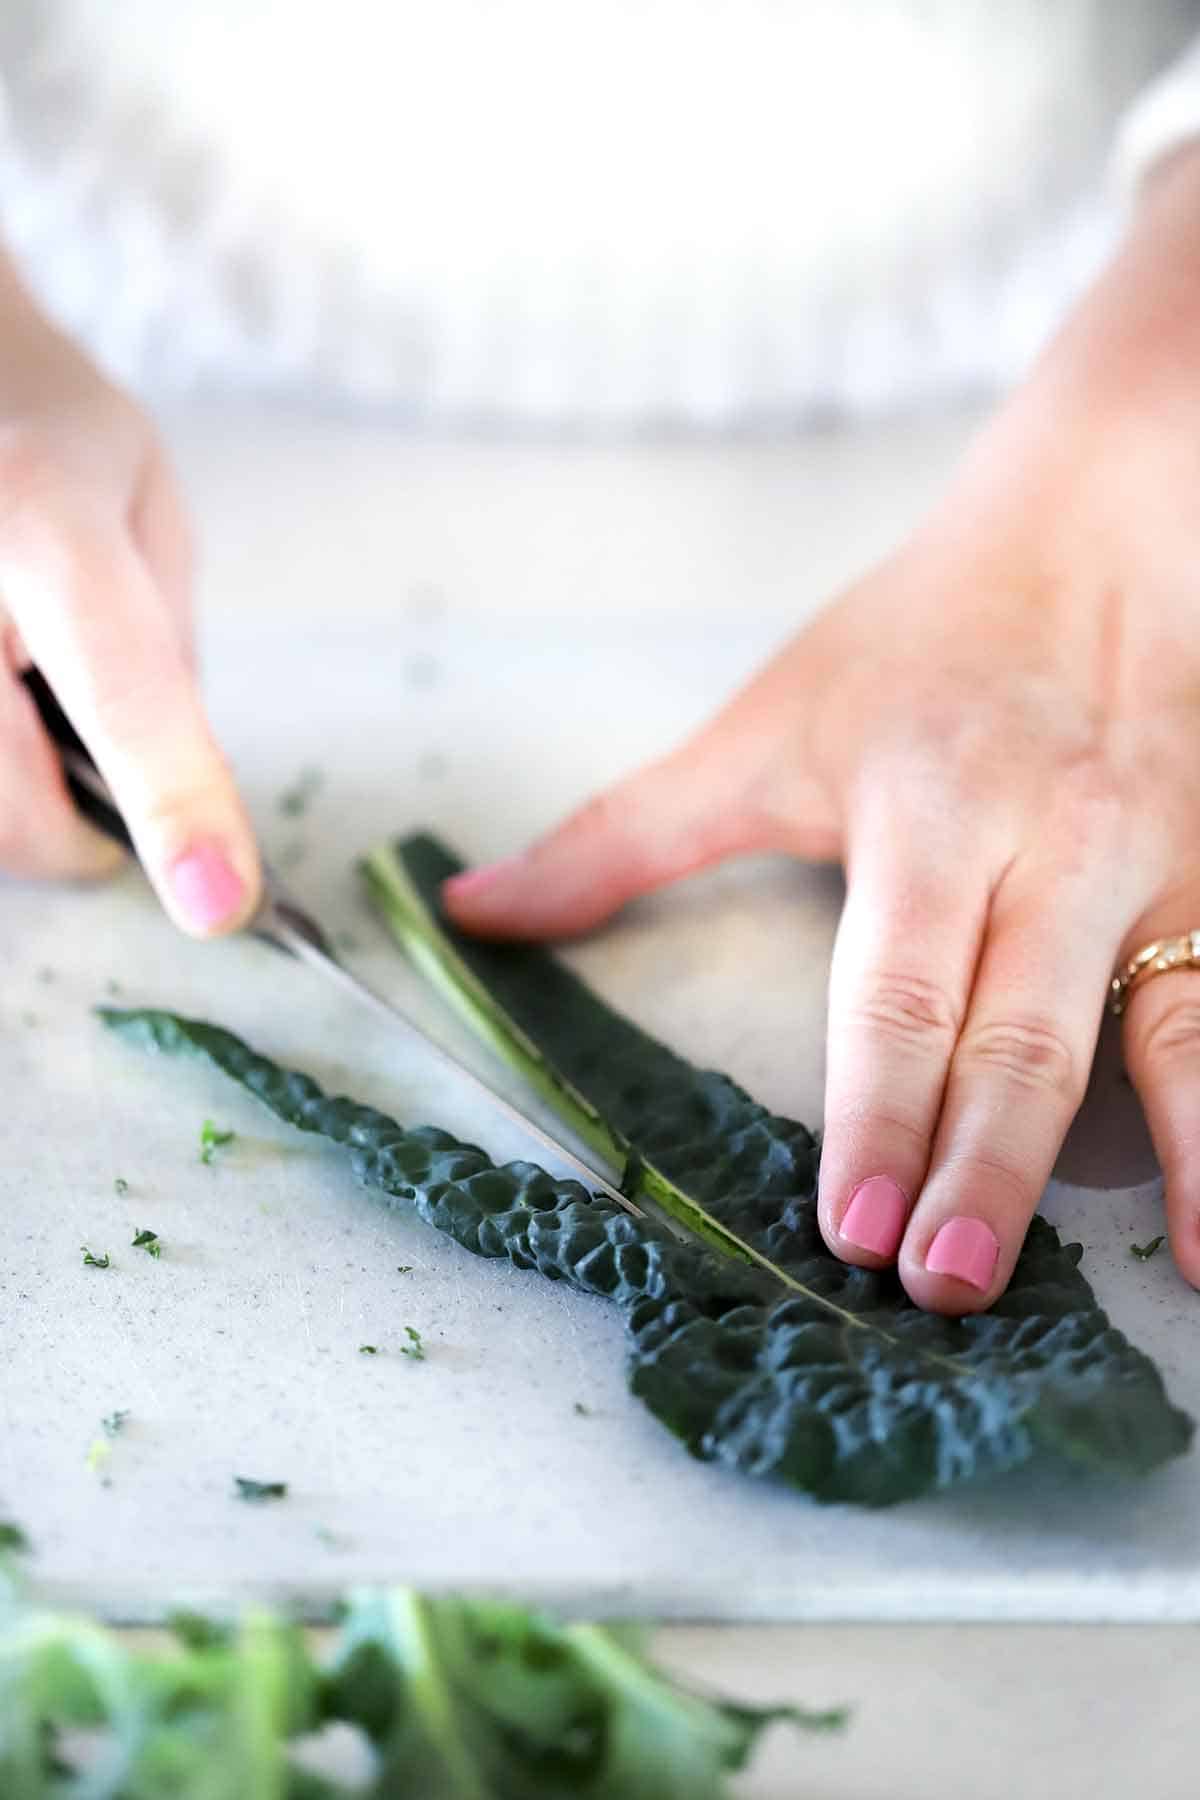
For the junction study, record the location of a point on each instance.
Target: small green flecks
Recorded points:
(149, 1241)
(120, 1185)
(97, 1460)
(12, 1537)
(95, 1262)
(404, 1268)
(259, 1490)
(368, 1349)
(114, 1421)
(414, 1348)
(295, 800)
(212, 1139)
(1144, 1252)
(583, 1412)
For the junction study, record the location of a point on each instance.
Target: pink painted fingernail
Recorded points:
(474, 881)
(966, 1249)
(874, 1219)
(207, 888)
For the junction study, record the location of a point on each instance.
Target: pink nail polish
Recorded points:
(207, 889)
(875, 1217)
(966, 1249)
(474, 881)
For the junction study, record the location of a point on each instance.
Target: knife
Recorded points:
(286, 925)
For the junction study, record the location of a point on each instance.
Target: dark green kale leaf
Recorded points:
(95, 1262)
(1143, 1252)
(149, 1241)
(805, 1369)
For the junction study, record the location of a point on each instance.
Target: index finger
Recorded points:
(95, 623)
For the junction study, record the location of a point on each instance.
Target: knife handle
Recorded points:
(85, 784)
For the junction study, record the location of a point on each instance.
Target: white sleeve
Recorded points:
(1164, 116)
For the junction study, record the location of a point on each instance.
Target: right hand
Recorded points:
(95, 579)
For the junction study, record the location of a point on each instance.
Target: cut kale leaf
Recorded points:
(821, 1375)
(248, 1489)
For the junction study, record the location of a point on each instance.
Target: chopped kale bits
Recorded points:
(212, 1139)
(247, 1489)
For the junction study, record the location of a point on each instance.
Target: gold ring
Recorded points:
(1154, 959)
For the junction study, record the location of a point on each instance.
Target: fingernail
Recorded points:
(207, 888)
(966, 1249)
(474, 881)
(875, 1217)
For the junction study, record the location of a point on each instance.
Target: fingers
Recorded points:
(1162, 1054)
(94, 621)
(1015, 1082)
(739, 785)
(40, 831)
(903, 963)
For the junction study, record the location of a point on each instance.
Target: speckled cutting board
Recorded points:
(237, 1353)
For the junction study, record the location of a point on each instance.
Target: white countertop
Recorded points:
(430, 625)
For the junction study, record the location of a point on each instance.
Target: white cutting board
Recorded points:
(237, 1353)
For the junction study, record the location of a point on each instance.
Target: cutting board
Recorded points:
(512, 1457)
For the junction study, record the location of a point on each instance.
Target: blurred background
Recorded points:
(593, 216)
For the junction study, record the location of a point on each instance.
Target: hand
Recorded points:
(997, 732)
(95, 576)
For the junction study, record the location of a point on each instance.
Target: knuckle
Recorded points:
(978, 1172)
(1173, 1037)
(906, 1009)
(1029, 1051)
(168, 813)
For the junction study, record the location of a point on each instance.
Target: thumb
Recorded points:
(720, 794)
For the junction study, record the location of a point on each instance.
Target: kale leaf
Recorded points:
(804, 1369)
(460, 1699)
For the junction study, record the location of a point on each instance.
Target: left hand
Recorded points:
(997, 732)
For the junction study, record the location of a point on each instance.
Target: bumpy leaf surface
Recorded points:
(802, 1369)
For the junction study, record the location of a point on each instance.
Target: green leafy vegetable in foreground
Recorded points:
(459, 1699)
(95, 1262)
(801, 1368)
(149, 1241)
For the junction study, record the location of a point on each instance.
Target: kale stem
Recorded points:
(414, 1626)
